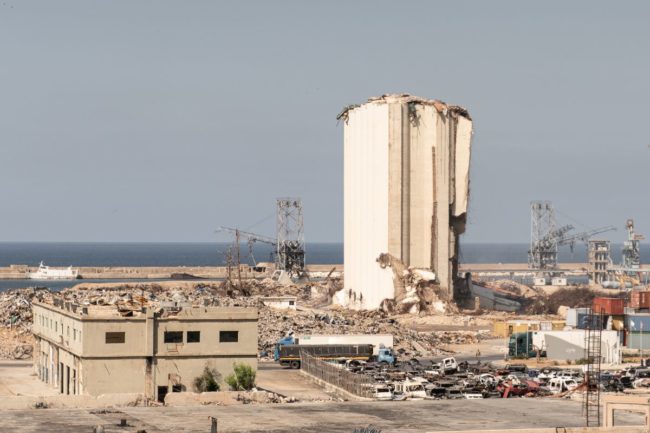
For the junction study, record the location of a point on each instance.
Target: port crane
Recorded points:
(290, 241)
(572, 239)
(250, 237)
(546, 237)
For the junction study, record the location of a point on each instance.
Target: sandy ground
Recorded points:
(18, 378)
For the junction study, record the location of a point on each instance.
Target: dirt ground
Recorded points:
(18, 378)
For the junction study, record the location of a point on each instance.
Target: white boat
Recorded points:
(47, 273)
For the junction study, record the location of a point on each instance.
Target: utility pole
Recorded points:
(238, 259)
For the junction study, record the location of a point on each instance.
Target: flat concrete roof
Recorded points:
(163, 312)
(344, 417)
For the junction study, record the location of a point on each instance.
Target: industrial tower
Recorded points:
(290, 236)
(543, 236)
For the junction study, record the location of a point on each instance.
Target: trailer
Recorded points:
(288, 355)
(377, 340)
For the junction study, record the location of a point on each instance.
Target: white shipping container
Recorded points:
(377, 340)
(564, 345)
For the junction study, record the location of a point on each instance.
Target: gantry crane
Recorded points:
(546, 238)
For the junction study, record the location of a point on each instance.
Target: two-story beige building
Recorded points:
(100, 349)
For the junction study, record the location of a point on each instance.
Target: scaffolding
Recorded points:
(593, 355)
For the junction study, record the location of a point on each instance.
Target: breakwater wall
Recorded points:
(20, 272)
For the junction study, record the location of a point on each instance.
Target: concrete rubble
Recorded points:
(313, 315)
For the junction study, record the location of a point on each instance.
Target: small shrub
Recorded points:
(582, 361)
(568, 361)
(208, 381)
(243, 379)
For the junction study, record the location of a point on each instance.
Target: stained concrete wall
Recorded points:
(142, 361)
(406, 189)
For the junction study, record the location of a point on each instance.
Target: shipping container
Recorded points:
(552, 325)
(637, 322)
(638, 340)
(639, 299)
(608, 305)
(572, 316)
(506, 329)
(583, 321)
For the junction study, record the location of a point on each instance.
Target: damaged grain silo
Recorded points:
(406, 188)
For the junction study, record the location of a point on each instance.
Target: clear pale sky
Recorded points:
(159, 121)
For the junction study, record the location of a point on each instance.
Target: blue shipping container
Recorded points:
(637, 322)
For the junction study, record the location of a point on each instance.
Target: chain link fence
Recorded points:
(357, 384)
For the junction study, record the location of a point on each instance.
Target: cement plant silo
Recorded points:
(406, 188)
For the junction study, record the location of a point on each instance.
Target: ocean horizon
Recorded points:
(213, 254)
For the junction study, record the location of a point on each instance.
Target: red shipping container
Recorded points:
(644, 301)
(635, 299)
(614, 306)
(639, 299)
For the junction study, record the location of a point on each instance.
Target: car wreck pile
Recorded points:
(447, 379)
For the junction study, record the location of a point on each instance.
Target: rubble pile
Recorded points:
(16, 307)
(273, 325)
(15, 311)
(16, 340)
(569, 297)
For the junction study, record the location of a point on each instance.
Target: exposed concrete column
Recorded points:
(395, 175)
(441, 237)
(405, 142)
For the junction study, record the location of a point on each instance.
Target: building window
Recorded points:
(193, 336)
(228, 336)
(115, 337)
(173, 336)
(74, 334)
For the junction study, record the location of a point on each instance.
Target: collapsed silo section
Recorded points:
(406, 190)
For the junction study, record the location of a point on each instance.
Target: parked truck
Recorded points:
(382, 346)
(378, 341)
(288, 355)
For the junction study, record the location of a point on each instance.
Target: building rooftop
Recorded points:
(138, 310)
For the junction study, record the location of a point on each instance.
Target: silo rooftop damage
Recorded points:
(406, 190)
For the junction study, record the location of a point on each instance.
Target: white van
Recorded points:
(558, 385)
(382, 392)
(410, 389)
(449, 365)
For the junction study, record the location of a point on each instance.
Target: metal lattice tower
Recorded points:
(543, 245)
(290, 236)
(593, 355)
